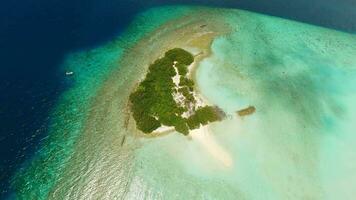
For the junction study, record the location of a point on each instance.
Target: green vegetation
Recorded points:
(184, 81)
(202, 116)
(182, 69)
(153, 105)
(180, 55)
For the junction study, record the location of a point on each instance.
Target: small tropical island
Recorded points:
(166, 97)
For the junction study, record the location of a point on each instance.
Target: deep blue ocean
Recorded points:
(35, 35)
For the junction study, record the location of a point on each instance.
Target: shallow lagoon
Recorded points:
(301, 79)
(297, 145)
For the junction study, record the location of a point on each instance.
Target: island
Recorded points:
(166, 97)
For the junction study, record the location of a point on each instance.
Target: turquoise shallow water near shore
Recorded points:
(298, 144)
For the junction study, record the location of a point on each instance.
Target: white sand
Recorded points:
(176, 78)
(203, 136)
(163, 129)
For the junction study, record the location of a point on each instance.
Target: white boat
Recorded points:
(68, 73)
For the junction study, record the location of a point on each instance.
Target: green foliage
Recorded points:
(152, 103)
(187, 94)
(184, 81)
(182, 69)
(180, 55)
(208, 114)
(193, 122)
(203, 116)
(181, 126)
(162, 66)
(147, 124)
(169, 120)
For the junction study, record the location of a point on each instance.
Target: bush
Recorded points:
(147, 124)
(182, 69)
(180, 55)
(181, 126)
(203, 116)
(187, 94)
(184, 81)
(193, 122)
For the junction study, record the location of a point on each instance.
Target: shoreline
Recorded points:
(198, 41)
(203, 53)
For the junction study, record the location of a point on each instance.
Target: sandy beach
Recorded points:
(216, 150)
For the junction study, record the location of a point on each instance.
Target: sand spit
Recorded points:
(203, 136)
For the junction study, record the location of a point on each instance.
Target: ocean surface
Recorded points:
(39, 41)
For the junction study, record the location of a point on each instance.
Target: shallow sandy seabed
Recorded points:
(298, 144)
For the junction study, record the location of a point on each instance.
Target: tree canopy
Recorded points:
(152, 102)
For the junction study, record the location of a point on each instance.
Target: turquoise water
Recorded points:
(301, 79)
(91, 68)
(298, 144)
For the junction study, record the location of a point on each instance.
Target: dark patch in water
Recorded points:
(123, 140)
(246, 111)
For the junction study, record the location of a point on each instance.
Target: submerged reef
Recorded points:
(246, 111)
(166, 96)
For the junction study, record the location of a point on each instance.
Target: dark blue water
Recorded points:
(35, 35)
